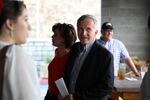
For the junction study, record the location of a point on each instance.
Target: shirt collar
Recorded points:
(103, 42)
(89, 45)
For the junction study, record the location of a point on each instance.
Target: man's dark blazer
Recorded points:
(96, 76)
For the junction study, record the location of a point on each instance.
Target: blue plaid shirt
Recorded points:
(119, 51)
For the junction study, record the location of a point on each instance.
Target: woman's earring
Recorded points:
(11, 33)
(29, 27)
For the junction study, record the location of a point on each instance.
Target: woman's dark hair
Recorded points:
(11, 9)
(67, 32)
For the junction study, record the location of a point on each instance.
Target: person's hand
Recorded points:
(68, 97)
(137, 74)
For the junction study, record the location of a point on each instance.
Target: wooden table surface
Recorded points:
(126, 89)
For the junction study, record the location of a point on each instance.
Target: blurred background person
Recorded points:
(117, 48)
(20, 75)
(145, 86)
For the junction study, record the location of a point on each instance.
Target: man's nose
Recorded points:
(83, 32)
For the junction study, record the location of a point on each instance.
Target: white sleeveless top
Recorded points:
(20, 75)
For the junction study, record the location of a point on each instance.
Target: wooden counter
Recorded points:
(126, 90)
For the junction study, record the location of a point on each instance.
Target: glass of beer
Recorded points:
(121, 71)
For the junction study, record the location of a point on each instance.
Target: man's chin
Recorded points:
(84, 42)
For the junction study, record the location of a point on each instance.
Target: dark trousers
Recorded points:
(50, 96)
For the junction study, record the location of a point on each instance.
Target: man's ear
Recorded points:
(102, 32)
(9, 24)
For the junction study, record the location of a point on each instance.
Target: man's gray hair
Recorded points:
(86, 16)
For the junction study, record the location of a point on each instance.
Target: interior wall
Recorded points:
(130, 18)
